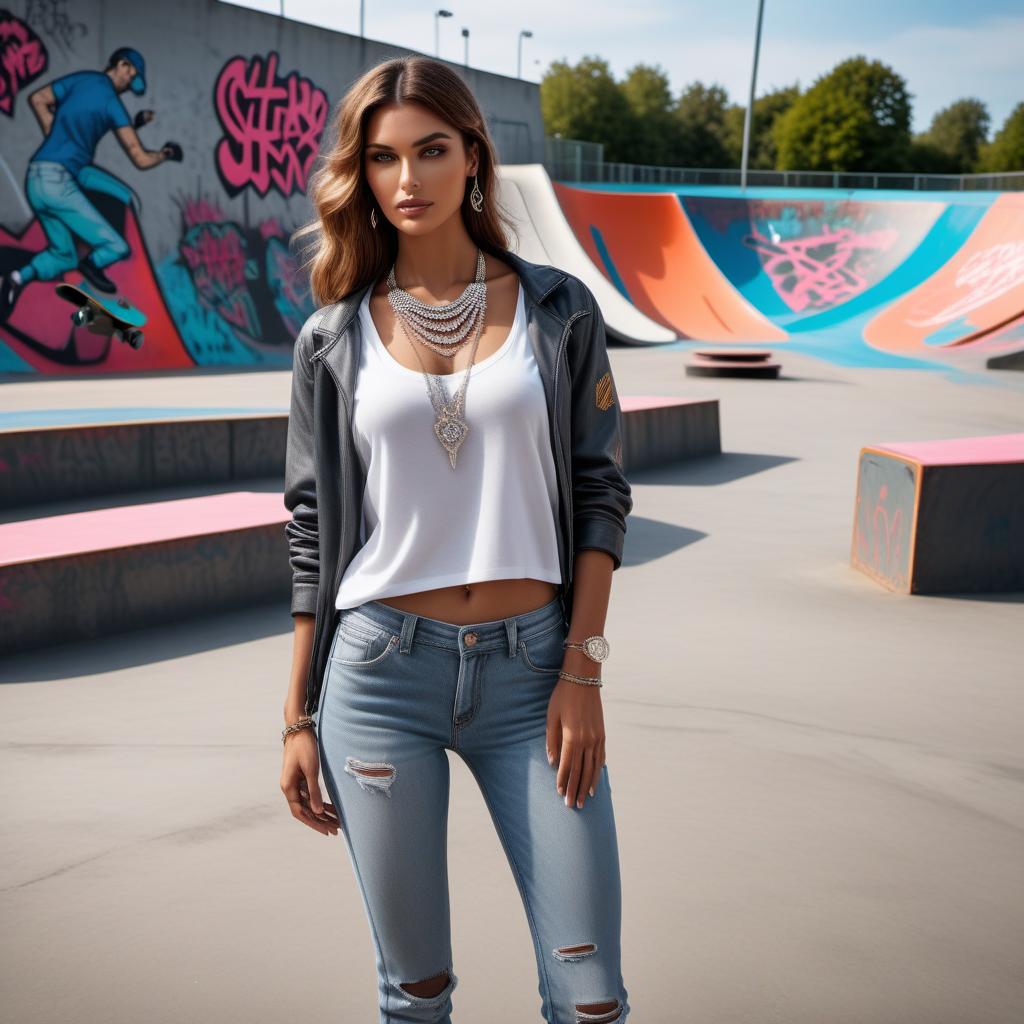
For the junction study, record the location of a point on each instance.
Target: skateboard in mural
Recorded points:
(104, 314)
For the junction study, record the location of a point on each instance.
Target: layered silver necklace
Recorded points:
(445, 329)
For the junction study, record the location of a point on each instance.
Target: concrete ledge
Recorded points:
(57, 463)
(69, 461)
(936, 517)
(657, 429)
(1010, 361)
(89, 574)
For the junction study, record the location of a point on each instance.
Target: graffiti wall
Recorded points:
(159, 156)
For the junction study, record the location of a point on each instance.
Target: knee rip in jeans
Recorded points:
(432, 988)
(373, 776)
(589, 1013)
(575, 952)
(598, 1013)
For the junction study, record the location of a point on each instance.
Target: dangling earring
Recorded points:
(476, 197)
(373, 216)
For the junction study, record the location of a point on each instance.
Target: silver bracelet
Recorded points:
(588, 680)
(302, 723)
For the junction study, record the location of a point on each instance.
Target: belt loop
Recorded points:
(510, 628)
(408, 628)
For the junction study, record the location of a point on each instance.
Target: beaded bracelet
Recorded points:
(303, 723)
(588, 680)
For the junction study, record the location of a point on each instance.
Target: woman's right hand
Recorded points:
(300, 775)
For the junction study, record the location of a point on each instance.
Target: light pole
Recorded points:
(362, 4)
(749, 116)
(524, 34)
(437, 44)
(465, 47)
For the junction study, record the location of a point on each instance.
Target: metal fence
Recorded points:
(571, 160)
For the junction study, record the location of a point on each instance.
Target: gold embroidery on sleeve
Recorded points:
(604, 392)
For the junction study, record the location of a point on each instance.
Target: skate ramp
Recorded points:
(544, 236)
(645, 243)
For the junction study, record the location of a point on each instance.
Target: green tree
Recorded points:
(1006, 151)
(583, 101)
(855, 118)
(649, 98)
(700, 115)
(958, 133)
(767, 108)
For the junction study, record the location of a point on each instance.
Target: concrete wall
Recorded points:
(249, 97)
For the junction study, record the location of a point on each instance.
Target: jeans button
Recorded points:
(470, 638)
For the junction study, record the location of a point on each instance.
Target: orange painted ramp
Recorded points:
(662, 264)
(979, 290)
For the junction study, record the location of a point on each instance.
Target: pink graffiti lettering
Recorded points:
(272, 126)
(23, 58)
(818, 271)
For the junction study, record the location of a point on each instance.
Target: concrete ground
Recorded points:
(818, 785)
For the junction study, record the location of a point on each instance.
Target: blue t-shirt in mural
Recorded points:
(88, 106)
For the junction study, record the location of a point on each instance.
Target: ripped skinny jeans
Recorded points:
(401, 689)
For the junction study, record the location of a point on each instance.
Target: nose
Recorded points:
(408, 179)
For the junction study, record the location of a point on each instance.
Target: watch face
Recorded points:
(596, 648)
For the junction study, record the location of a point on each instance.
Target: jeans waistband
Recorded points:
(492, 635)
(47, 167)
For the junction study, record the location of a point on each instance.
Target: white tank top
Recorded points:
(426, 525)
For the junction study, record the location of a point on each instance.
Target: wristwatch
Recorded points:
(596, 648)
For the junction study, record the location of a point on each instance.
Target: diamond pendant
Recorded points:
(451, 430)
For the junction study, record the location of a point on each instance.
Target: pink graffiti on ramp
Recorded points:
(819, 271)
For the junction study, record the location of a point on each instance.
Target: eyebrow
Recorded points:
(418, 142)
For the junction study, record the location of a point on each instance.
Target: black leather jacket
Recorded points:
(324, 481)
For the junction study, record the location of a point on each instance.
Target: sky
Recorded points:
(945, 49)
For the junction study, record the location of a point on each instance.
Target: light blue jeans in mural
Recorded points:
(64, 211)
(399, 689)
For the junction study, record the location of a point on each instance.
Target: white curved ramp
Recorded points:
(546, 237)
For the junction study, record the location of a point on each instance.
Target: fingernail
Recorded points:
(591, 790)
(566, 799)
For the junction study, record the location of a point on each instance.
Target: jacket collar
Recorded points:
(538, 279)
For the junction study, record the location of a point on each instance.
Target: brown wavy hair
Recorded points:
(347, 252)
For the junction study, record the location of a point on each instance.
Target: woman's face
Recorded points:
(410, 153)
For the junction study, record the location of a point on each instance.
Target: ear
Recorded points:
(474, 155)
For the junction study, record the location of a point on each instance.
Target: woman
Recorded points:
(438, 542)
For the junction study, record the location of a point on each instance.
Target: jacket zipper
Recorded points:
(333, 590)
(566, 490)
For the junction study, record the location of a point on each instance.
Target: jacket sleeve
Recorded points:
(601, 493)
(300, 480)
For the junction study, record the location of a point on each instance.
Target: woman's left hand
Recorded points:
(575, 735)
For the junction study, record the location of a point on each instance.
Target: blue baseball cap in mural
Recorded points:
(128, 54)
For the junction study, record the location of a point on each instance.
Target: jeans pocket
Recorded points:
(358, 647)
(544, 653)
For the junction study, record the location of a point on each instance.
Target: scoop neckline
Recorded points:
(476, 368)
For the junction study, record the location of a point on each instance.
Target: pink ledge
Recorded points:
(77, 533)
(959, 450)
(633, 403)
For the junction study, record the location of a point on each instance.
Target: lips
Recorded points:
(412, 204)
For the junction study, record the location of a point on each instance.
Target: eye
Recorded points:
(440, 150)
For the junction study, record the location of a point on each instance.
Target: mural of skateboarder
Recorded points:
(75, 112)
